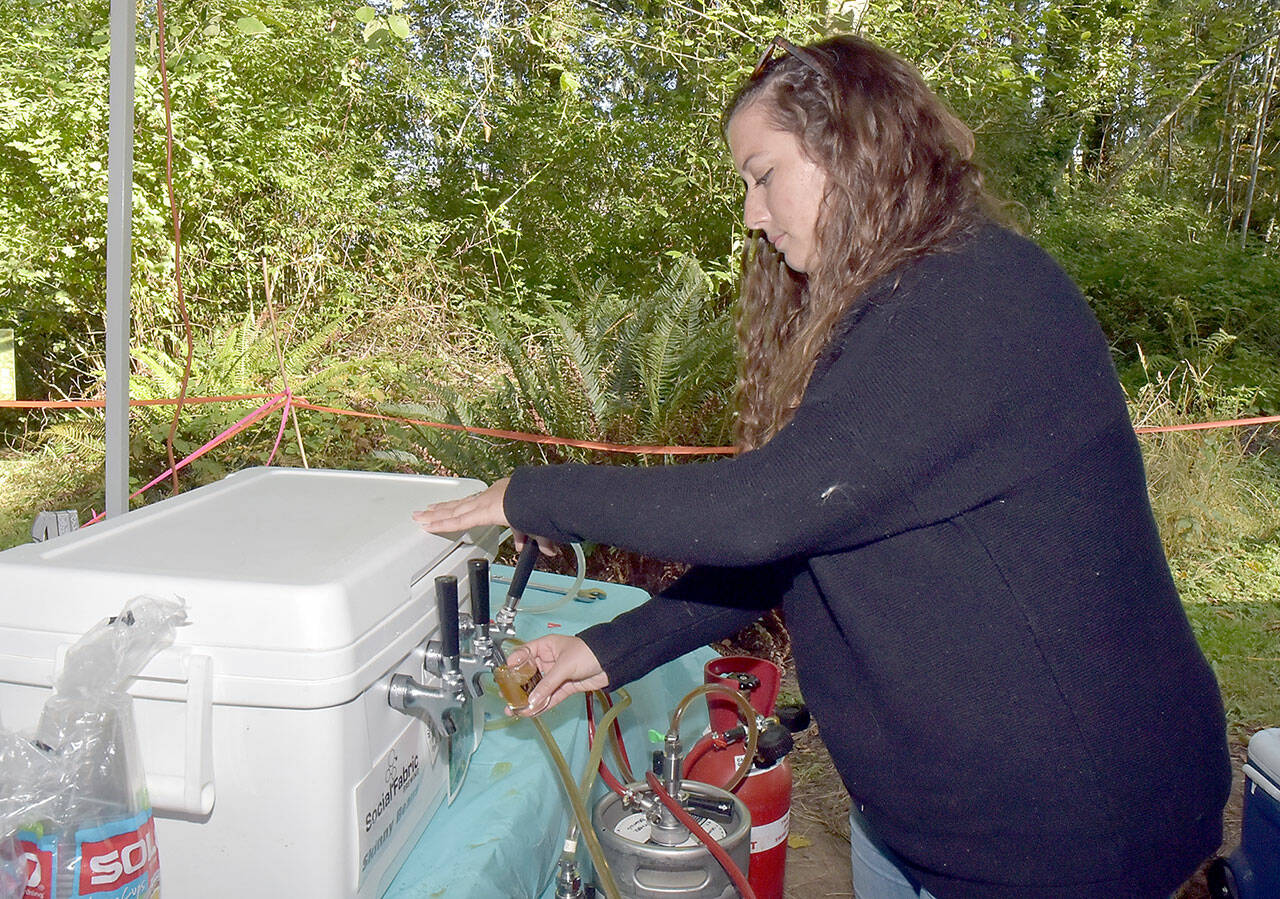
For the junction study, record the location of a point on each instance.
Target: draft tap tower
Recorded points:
(506, 620)
(443, 709)
(480, 652)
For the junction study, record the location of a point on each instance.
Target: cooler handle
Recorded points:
(192, 792)
(1257, 778)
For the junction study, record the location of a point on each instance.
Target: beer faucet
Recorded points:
(443, 708)
(505, 621)
(482, 653)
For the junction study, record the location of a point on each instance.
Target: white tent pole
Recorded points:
(123, 34)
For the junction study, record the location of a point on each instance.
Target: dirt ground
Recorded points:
(818, 848)
(818, 853)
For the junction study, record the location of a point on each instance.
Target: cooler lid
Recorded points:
(1264, 753)
(276, 559)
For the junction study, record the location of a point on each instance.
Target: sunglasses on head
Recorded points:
(781, 45)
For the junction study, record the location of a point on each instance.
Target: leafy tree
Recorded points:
(465, 157)
(280, 154)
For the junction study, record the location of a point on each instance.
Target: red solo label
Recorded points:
(38, 855)
(118, 860)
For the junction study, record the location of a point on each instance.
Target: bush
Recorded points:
(1208, 488)
(653, 370)
(1163, 282)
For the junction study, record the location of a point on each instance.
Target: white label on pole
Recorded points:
(384, 796)
(766, 836)
(636, 828)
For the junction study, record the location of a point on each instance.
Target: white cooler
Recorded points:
(274, 763)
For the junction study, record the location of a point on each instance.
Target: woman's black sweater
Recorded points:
(957, 527)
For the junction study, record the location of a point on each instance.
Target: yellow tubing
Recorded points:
(593, 765)
(624, 767)
(746, 712)
(579, 794)
(597, 751)
(607, 883)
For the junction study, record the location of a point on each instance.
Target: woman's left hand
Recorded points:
(474, 511)
(478, 510)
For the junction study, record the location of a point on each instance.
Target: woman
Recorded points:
(939, 484)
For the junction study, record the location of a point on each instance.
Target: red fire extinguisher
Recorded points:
(766, 790)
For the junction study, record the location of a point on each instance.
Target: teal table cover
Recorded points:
(502, 836)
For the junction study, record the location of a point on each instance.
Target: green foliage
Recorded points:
(61, 469)
(1167, 288)
(1207, 487)
(243, 359)
(589, 142)
(1239, 639)
(281, 121)
(474, 159)
(655, 370)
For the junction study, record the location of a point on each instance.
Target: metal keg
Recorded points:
(647, 870)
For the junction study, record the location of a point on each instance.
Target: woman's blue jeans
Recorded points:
(876, 871)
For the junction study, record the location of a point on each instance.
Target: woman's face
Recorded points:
(784, 187)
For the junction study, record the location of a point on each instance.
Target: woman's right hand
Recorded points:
(568, 666)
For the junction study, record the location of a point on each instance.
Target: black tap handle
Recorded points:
(478, 571)
(447, 613)
(524, 568)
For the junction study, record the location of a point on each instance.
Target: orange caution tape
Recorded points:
(1207, 425)
(531, 438)
(535, 438)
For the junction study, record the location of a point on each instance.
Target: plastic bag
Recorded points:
(75, 819)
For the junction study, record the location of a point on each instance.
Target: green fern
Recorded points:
(653, 370)
(242, 358)
(83, 434)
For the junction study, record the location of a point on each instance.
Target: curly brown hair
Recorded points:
(900, 182)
